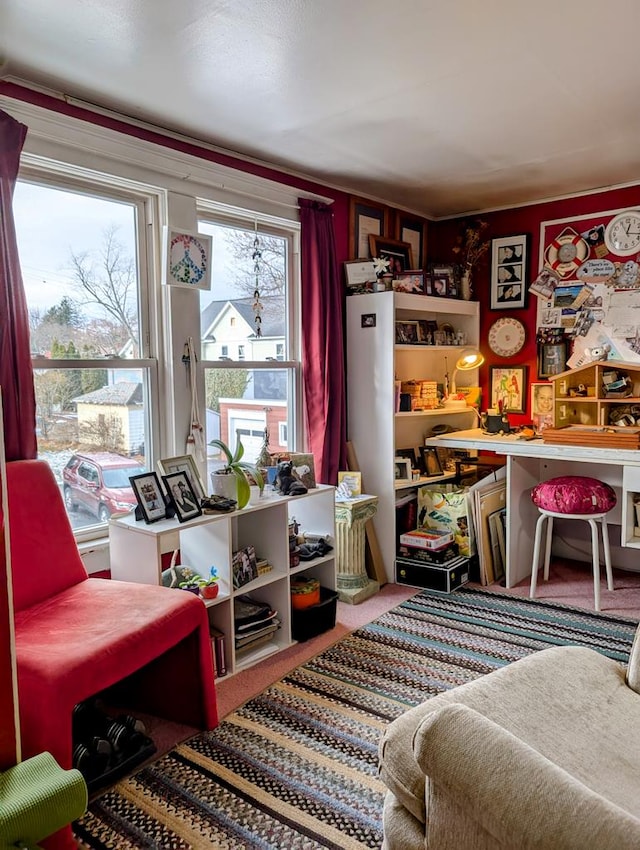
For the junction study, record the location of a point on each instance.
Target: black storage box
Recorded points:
(316, 619)
(445, 578)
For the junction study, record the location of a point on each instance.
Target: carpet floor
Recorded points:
(296, 766)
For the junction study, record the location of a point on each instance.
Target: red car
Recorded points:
(99, 483)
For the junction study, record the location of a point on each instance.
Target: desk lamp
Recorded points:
(470, 358)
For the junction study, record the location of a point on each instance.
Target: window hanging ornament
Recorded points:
(257, 304)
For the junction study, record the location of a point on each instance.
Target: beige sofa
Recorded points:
(544, 753)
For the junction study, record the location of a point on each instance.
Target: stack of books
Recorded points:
(429, 558)
(255, 623)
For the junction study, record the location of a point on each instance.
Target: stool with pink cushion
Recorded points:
(573, 497)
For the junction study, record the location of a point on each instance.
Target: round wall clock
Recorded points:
(506, 337)
(622, 234)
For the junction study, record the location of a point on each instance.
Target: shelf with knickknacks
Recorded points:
(470, 247)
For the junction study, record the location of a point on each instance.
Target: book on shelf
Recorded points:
(426, 538)
(218, 641)
(256, 624)
(243, 640)
(247, 610)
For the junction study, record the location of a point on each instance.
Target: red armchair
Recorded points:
(76, 636)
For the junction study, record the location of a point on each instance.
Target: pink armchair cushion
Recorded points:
(574, 494)
(44, 554)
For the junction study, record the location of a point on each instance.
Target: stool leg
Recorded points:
(536, 555)
(607, 553)
(595, 556)
(547, 548)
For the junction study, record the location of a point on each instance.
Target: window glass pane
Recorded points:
(246, 401)
(228, 318)
(79, 266)
(91, 431)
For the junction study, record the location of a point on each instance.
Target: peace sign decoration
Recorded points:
(187, 259)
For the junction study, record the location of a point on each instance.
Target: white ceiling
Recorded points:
(438, 106)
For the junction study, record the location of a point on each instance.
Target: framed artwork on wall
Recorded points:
(398, 253)
(508, 388)
(552, 357)
(509, 259)
(366, 219)
(412, 230)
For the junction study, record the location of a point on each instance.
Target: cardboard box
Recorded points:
(444, 579)
(426, 538)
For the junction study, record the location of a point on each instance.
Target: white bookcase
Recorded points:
(136, 549)
(374, 363)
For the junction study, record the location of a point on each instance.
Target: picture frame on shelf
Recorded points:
(360, 274)
(244, 566)
(149, 496)
(552, 357)
(402, 469)
(409, 281)
(412, 230)
(407, 333)
(366, 218)
(398, 253)
(508, 388)
(508, 281)
(182, 496)
(431, 465)
(186, 464)
(353, 480)
(442, 280)
(410, 455)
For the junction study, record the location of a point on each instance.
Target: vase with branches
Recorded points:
(470, 247)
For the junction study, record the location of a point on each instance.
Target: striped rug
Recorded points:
(296, 767)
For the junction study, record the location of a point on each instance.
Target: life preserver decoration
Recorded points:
(566, 253)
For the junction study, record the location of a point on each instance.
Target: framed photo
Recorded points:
(182, 496)
(409, 281)
(430, 461)
(353, 481)
(541, 405)
(244, 566)
(508, 386)
(186, 464)
(410, 455)
(442, 280)
(407, 333)
(187, 259)
(401, 469)
(398, 253)
(148, 492)
(412, 230)
(359, 273)
(552, 358)
(509, 260)
(366, 219)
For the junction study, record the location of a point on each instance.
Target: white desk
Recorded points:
(532, 461)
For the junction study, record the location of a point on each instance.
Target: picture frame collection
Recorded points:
(175, 490)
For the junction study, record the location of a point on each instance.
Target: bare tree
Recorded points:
(110, 283)
(271, 276)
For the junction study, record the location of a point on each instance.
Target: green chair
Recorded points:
(37, 798)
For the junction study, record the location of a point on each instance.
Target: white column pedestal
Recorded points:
(353, 583)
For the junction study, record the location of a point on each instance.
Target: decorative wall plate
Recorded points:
(566, 253)
(506, 337)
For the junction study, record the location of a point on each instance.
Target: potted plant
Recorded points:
(192, 583)
(232, 479)
(209, 587)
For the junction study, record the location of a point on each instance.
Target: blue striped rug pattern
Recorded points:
(296, 767)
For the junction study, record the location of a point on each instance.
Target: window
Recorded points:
(248, 396)
(82, 254)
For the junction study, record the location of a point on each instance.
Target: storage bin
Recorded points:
(316, 619)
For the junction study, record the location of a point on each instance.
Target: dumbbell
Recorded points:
(92, 758)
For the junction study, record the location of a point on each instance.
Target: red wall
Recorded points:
(512, 222)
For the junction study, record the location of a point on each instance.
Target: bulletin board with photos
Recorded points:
(588, 286)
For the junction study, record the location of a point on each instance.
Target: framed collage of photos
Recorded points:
(509, 259)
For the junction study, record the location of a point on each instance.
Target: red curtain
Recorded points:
(16, 374)
(322, 341)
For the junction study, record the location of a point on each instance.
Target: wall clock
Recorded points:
(622, 234)
(506, 337)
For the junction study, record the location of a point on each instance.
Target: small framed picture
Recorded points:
(366, 218)
(430, 461)
(552, 358)
(148, 492)
(244, 566)
(508, 386)
(360, 274)
(353, 480)
(182, 496)
(412, 230)
(398, 253)
(409, 281)
(187, 261)
(186, 464)
(509, 260)
(410, 455)
(407, 333)
(402, 469)
(541, 405)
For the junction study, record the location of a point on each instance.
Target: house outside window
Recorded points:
(83, 257)
(248, 396)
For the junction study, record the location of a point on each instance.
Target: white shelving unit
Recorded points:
(374, 363)
(136, 549)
